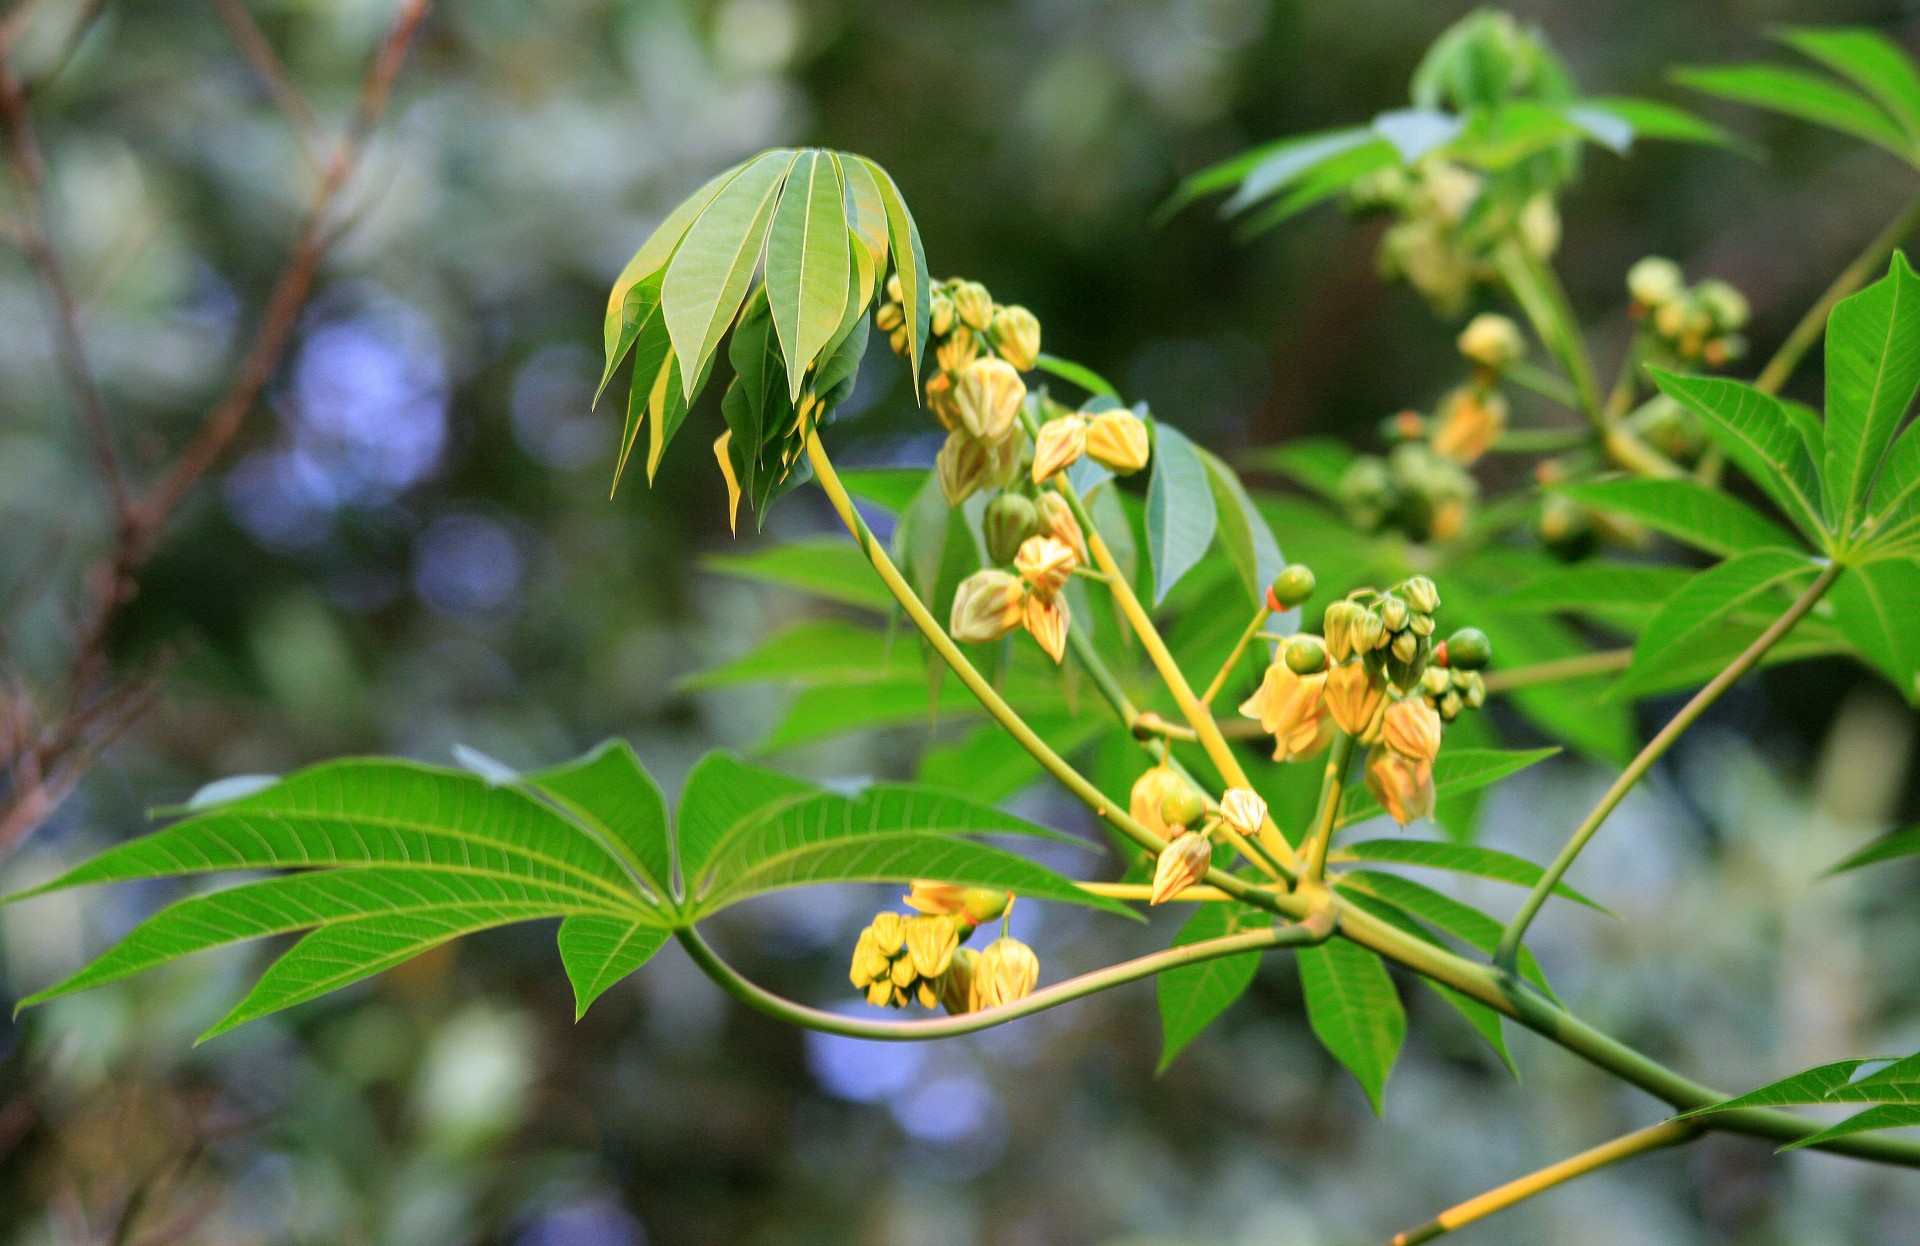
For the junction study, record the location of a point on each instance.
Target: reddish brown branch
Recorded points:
(272, 72)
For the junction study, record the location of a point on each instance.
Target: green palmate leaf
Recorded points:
(1877, 605)
(1750, 579)
(1354, 1011)
(707, 280)
(639, 305)
(1808, 96)
(761, 418)
(1288, 161)
(1873, 370)
(1827, 1083)
(1328, 179)
(893, 488)
(1485, 1021)
(652, 353)
(1597, 586)
(667, 410)
(1886, 1116)
(1444, 913)
(1488, 863)
(1576, 710)
(1697, 661)
(723, 792)
(599, 951)
(1762, 435)
(1244, 534)
(1077, 374)
(1871, 61)
(1893, 847)
(611, 794)
(992, 765)
(1454, 771)
(654, 253)
(807, 263)
(1895, 513)
(1315, 462)
(1181, 519)
(824, 651)
(1685, 510)
(828, 710)
(910, 264)
(866, 209)
(1192, 997)
(827, 567)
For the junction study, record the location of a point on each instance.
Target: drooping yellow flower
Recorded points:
(1150, 791)
(1356, 700)
(988, 395)
(1181, 864)
(1118, 441)
(1059, 446)
(967, 464)
(986, 606)
(1467, 424)
(1404, 788)
(961, 348)
(1243, 811)
(1411, 728)
(1046, 564)
(1292, 709)
(956, 984)
(1048, 621)
(1006, 971)
(1057, 517)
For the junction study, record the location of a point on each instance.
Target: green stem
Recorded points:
(1604, 662)
(1516, 930)
(1233, 659)
(1535, 287)
(1543, 383)
(730, 980)
(1639, 1142)
(1333, 784)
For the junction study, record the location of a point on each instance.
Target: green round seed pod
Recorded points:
(1306, 655)
(1291, 587)
(1182, 807)
(1469, 649)
(984, 904)
(1010, 519)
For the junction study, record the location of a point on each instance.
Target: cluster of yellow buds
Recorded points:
(991, 603)
(1694, 325)
(901, 958)
(1165, 803)
(1414, 489)
(1013, 518)
(1446, 227)
(1400, 763)
(1388, 632)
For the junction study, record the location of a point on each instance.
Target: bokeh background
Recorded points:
(412, 548)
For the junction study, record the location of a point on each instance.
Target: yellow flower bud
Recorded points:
(899, 339)
(1117, 440)
(864, 954)
(1655, 281)
(1492, 341)
(1243, 811)
(1015, 332)
(973, 304)
(889, 933)
(986, 606)
(956, 985)
(936, 899)
(1411, 728)
(1048, 621)
(931, 943)
(1060, 444)
(1006, 971)
(893, 289)
(1404, 788)
(888, 317)
(1182, 863)
(1540, 226)
(939, 389)
(959, 350)
(1045, 564)
(1292, 709)
(1356, 700)
(1150, 791)
(903, 974)
(880, 993)
(1336, 629)
(987, 396)
(1057, 519)
(940, 315)
(1420, 593)
(966, 464)
(1468, 423)
(1405, 646)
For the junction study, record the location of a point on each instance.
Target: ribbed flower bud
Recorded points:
(1492, 341)
(967, 464)
(987, 396)
(940, 316)
(1057, 520)
(961, 348)
(1404, 788)
(1045, 564)
(1356, 700)
(1420, 593)
(1149, 792)
(973, 304)
(956, 984)
(1367, 631)
(1060, 444)
(1394, 613)
(1118, 441)
(1405, 647)
(1006, 971)
(931, 943)
(986, 606)
(1015, 333)
(889, 933)
(1009, 520)
(888, 317)
(1336, 628)
(1655, 281)
(1243, 811)
(1048, 622)
(1411, 728)
(1182, 863)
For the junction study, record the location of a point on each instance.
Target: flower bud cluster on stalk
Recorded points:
(1374, 673)
(1687, 328)
(902, 958)
(1163, 801)
(1448, 219)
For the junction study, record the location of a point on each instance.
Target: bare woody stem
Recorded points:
(1509, 948)
(1639, 1142)
(730, 980)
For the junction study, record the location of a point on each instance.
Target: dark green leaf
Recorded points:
(1886, 1116)
(1445, 913)
(824, 651)
(723, 792)
(1181, 519)
(829, 567)
(1748, 579)
(1244, 533)
(599, 951)
(1612, 587)
(1485, 1021)
(1877, 605)
(1807, 96)
(1871, 61)
(1893, 847)
(1815, 1085)
(1490, 863)
(1192, 997)
(610, 793)
(1759, 433)
(1873, 370)
(1354, 1011)
(1684, 509)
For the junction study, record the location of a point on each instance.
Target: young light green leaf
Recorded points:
(1354, 1011)
(1294, 159)
(1244, 534)
(1652, 119)
(1454, 771)
(652, 355)
(1885, 1116)
(1757, 432)
(1877, 605)
(611, 794)
(1873, 370)
(1181, 519)
(1871, 61)
(654, 253)
(1192, 997)
(599, 951)
(827, 567)
(823, 651)
(1747, 579)
(1489, 863)
(1077, 374)
(807, 259)
(708, 277)
(1807, 96)
(866, 209)
(1684, 509)
(1820, 1084)
(910, 264)
(1891, 848)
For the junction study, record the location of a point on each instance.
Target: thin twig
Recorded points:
(272, 72)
